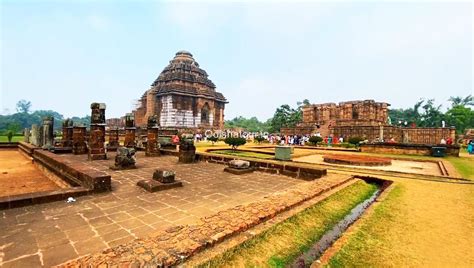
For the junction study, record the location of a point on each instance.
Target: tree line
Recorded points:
(25, 117)
(424, 113)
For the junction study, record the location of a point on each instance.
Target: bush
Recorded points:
(235, 142)
(355, 140)
(212, 139)
(9, 135)
(315, 139)
(259, 139)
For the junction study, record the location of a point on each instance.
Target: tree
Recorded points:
(467, 101)
(315, 139)
(460, 117)
(23, 106)
(235, 142)
(259, 139)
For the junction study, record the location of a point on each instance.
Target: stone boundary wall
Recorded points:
(401, 148)
(170, 247)
(295, 170)
(7, 145)
(75, 173)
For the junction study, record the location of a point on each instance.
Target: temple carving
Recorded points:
(182, 97)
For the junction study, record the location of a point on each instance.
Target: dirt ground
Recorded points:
(18, 175)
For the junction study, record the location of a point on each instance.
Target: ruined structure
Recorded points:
(48, 132)
(97, 132)
(66, 139)
(152, 144)
(79, 145)
(114, 141)
(129, 131)
(366, 119)
(182, 97)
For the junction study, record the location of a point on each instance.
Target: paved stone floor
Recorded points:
(407, 166)
(52, 233)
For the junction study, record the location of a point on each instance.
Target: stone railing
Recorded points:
(406, 148)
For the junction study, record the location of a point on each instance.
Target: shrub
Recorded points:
(235, 142)
(315, 139)
(259, 139)
(212, 139)
(9, 135)
(355, 140)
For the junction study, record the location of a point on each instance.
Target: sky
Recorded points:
(64, 55)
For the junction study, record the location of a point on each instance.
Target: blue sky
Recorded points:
(65, 55)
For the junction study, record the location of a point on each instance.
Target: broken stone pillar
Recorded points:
(114, 141)
(97, 132)
(130, 131)
(66, 140)
(405, 138)
(26, 135)
(48, 132)
(162, 180)
(381, 132)
(124, 159)
(36, 135)
(79, 140)
(239, 167)
(152, 145)
(187, 150)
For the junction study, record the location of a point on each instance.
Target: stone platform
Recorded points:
(53, 233)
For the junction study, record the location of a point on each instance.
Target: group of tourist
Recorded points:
(470, 147)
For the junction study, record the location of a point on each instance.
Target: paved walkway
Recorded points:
(53, 233)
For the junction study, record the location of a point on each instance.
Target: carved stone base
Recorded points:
(155, 186)
(97, 157)
(238, 171)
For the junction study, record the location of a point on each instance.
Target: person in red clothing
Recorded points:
(449, 141)
(175, 139)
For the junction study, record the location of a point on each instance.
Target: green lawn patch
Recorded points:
(362, 247)
(464, 165)
(283, 243)
(244, 154)
(14, 138)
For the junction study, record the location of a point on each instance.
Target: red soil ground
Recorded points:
(18, 175)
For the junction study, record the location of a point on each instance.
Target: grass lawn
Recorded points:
(282, 243)
(244, 154)
(14, 138)
(464, 165)
(366, 239)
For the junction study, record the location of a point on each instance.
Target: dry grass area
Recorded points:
(419, 224)
(18, 175)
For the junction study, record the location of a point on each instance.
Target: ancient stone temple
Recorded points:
(365, 119)
(183, 97)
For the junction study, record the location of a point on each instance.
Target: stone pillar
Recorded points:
(187, 150)
(66, 140)
(48, 139)
(97, 132)
(79, 140)
(26, 135)
(114, 141)
(152, 144)
(130, 131)
(452, 134)
(35, 135)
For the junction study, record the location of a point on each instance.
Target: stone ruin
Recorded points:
(153, 144)
(48, 132)
(162, 180)
(124, 159)
(79, 145)
(238, 167)
(36, 135)
(96, 144)
(114, 141)
(187, 150)
(67, 128)
(26, 135)
(130, 130)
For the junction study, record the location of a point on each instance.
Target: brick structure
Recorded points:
(79, 140)
(97, 132)
(66, 139)
(365, 119)
(152, 144)
(130, 131)
(182, 97)
(114, 141)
